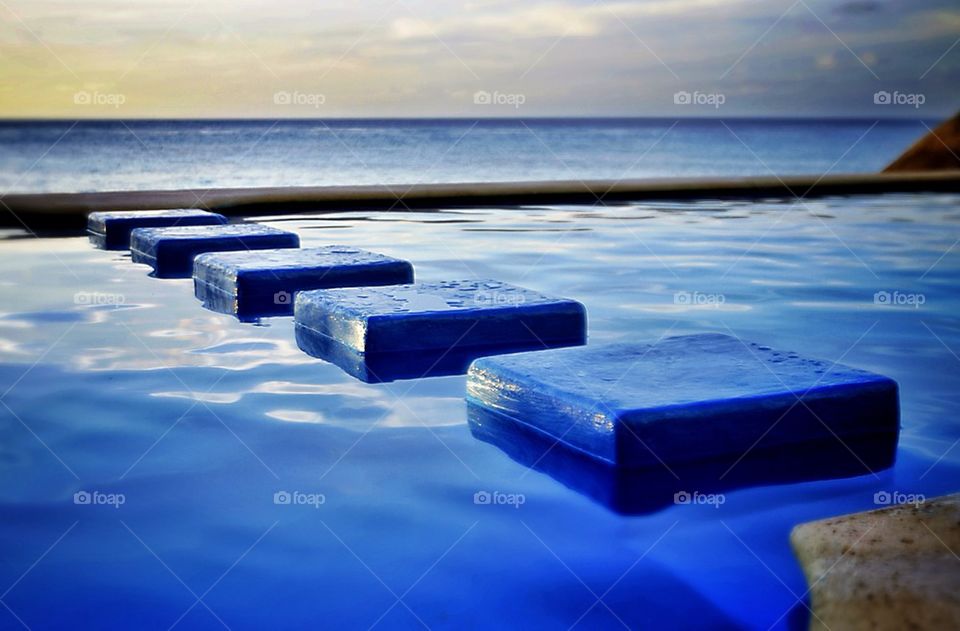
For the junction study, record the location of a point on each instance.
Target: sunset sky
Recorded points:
(307, 58)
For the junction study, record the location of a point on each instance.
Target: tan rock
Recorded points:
(939, 150)
(895, 568)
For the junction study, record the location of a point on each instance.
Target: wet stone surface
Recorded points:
(170, 251)
(264, 282)
(683, 398)
(111, 230)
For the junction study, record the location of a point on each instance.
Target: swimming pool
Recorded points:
(231, 480)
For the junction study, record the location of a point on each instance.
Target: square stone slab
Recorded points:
(170, 251)
(682, 399)
(263, 282)
(111, 230)
(429, 329)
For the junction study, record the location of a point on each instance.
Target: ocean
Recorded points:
(71, 156)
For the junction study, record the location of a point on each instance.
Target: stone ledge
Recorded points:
(67, 211)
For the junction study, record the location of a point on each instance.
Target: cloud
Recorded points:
(489, 20)
(537, 21)
(827, 61)
(859, 7)
(419, 57)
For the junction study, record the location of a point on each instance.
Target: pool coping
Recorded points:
(67, 211)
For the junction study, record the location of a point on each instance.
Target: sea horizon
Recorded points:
(86, 155)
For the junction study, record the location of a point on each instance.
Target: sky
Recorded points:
(478, 58)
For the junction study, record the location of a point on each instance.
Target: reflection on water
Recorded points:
(647, 490)
(116, 382)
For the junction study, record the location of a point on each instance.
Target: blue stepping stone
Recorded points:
(111, 230)
(683, 399)
(263, 283)
(430, 329)
(170, 251)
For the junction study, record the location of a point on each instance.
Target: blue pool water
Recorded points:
(120, 385)
(69, 156)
